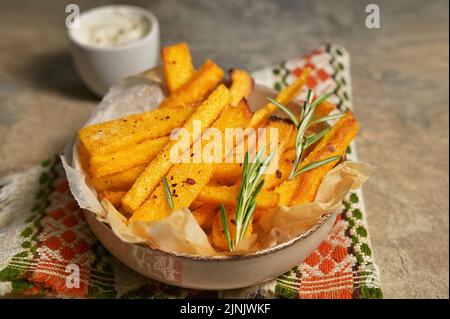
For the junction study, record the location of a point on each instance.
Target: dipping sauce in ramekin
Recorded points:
(112, 27)
(113, 42)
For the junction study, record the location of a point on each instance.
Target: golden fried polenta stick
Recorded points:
(111, 136)
(284, 169)
(227, 195)
(284, 129)
(226, 173)
(206, 113)
(177, 65)
(185, 182)
(117, 181)
(181, 176)
(333, 144)
(194, 92)
(134, 155)
(241, 85)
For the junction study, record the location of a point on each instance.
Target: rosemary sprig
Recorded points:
(305, 120)
(251, 185)
(167, 191)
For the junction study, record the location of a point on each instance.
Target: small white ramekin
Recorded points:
(101, 67)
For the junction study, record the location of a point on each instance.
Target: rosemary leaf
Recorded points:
(168, 194)
(321, 99)
(316, 164)
(251, 207)
(223, 216)
(326, 118)
(285, 110)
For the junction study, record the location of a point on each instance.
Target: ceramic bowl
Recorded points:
(218, 272)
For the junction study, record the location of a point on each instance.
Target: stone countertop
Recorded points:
(400, 88)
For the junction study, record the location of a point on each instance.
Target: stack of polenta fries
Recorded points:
(126, 159)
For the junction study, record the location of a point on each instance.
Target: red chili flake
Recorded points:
(331, 148)
(278, 173)
(171, 178)
(175, 195)
(190, 181)
(174, 184)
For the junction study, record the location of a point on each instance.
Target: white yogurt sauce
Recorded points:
(111, 27)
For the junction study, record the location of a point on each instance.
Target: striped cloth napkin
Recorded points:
(43, 232)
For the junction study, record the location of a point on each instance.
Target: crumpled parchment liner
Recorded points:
(180, 232)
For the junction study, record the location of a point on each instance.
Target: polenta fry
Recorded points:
(282, 173)
(201, 84)
(241, 85)
(185, 172)
(284, 129)
(111, 136)
(117, 181)
(206, 113)
(177, 66)
(127, 158)
(333, 144)
(227, 195)
(295, 191)
(226, 173)
(185, 181)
